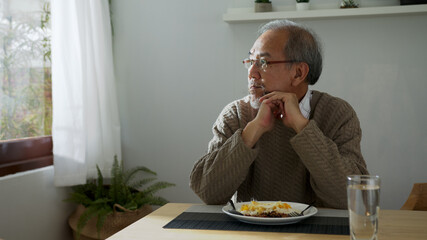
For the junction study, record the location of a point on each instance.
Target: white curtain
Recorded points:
(85, 128)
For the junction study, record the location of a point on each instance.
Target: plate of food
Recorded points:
(269, 212)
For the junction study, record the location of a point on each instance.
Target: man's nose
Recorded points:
(253, 72)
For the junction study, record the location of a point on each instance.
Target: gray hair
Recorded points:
(302, 46)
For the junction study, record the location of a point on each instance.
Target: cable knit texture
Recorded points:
(309, 166)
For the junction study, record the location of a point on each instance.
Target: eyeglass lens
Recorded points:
(260, 63)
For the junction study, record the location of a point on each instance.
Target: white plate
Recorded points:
(271, 221)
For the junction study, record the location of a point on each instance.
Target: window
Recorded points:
(25, 85)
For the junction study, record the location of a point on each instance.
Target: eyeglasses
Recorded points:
(262, 63)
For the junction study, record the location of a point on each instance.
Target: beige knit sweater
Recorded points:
(305, 167)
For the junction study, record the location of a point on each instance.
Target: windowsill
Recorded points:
(25, 173)
(21, 155)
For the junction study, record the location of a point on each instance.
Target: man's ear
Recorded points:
(300, 73)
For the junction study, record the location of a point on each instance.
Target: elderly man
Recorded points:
(283, 141)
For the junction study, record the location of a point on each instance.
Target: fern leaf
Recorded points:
(79, 198)
(131, 173)
(100, 187)
(102, 216)
(85, 217)
(87, 189)
(101, 201)
(116, 181)
(132, 205)
(156, 187)
(151, 200)
(140, 183)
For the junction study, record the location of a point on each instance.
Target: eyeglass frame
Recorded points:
(266, 63)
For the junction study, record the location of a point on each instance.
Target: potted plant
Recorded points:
(349, 4)
(263, 6)
(105, 209)
(303, 5)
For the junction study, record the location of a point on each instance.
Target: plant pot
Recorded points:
(263, 7)
(349, 4)
(304, 6)
(114, 222)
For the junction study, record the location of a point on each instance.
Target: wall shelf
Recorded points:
(235, 15)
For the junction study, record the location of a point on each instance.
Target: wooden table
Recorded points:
(393, 225)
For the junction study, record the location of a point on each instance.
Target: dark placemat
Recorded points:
(221, 221)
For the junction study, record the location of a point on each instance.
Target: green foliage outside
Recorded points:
(124, 188)
(25, 74)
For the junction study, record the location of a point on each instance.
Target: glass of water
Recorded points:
(363, 195)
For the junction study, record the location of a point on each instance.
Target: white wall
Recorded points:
(178, 64)
(31, 207)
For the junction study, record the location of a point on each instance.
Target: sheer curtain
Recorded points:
(85, 128)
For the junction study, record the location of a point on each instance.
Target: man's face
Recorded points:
(276, 77)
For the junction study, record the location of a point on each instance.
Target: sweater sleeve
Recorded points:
(330, 160)
(218, 174)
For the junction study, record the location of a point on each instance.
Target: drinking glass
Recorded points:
(363, 196)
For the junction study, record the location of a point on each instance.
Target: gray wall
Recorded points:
(178, 64)
(32, 207)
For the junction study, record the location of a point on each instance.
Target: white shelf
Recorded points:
(244, 15)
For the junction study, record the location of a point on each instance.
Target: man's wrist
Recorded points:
(251, 134)
(300, 125)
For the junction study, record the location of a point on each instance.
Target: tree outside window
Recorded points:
(25, 69)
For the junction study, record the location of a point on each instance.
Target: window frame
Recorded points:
(19, 155)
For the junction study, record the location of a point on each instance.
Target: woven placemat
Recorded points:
(221, 221)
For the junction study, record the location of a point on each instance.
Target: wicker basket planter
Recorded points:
(114, 222)
(102, 204)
